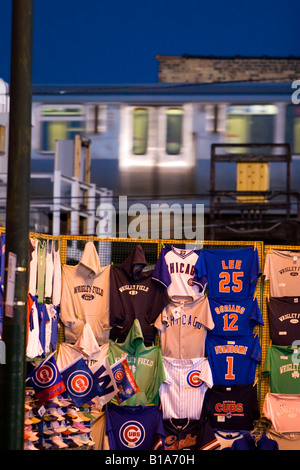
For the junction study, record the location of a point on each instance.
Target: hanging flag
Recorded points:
(47, 380)
(80, 382)
(104, 376)
(125, 381)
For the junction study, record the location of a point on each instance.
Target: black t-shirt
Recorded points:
(284, 320)
(189, 434)
(231, 408)
(134, 294)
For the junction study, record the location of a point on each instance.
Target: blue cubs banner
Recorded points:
(80, 382)
(125, 381)
(47, 380)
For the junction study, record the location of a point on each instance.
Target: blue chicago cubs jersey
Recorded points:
(235, 317)
(175, 269)
(230, 273)
(134, 427)
(233, 360)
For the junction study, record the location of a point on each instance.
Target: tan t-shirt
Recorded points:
(282, 269)
(85, 297)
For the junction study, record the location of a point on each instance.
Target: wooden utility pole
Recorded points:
(13, 372)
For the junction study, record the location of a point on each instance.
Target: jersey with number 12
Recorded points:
(231, 273)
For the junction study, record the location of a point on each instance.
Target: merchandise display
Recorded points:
(163, 356)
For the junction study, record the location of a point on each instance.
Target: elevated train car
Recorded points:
(153, 142)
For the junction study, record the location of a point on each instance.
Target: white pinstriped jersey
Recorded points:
(183, 391)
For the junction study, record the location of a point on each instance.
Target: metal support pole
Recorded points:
(13, 373)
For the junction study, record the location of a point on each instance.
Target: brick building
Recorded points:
(201, 69)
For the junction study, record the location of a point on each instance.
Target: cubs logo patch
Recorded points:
(45, 376)
(191, 282)
(194, 379)
(132, 434)
(119, 375)
(80, 383)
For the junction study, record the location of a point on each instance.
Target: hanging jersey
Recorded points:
(282, 269)
(284, 320)
(231, 273)
(85, 296)
(234, 360)
(235, 318)
(134, 427)
(285, 440)
(182, 327)
(189, 434)
(44, 327)
(249, 443)
(145, 363)
(175, 269)
(41, 269)
(282, 367)
(54, 313)
(49, 270)
(182, 393)
(283, 410)
(56, 288)
(134, 294)
(33, 267)
(232, 407)
(227, 438)
(33, 345)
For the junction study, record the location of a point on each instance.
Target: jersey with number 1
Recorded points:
(230, 273)
(233, 360)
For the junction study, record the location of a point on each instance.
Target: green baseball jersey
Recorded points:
(145, 363)
(282, 367)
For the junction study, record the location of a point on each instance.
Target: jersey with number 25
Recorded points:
(231, 273)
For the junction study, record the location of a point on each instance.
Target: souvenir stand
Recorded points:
(176, 353)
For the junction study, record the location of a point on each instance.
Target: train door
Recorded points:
(251, 124)
(156, 136)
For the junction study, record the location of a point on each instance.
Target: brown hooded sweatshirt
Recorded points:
(85, 297)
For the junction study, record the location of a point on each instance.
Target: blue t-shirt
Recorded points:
(134, 427)
(230, 273)
(233, 360)
(235, 317)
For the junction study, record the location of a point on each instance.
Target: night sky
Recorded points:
(116, 41)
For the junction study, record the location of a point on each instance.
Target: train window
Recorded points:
(60, 122)
(292, 127)
(250, 123)
(140, 131)
(174, 131)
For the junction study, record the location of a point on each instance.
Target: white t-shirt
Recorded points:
(282, 269)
